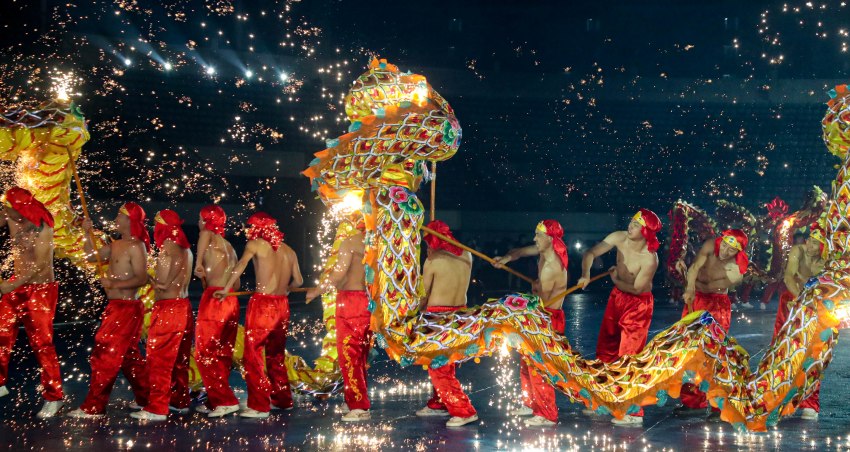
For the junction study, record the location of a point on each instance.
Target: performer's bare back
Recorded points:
(219, 260)
(447, 277)
(173, 271)
(25, 240)
(273, 269)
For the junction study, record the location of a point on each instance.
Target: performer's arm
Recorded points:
(598, 250)
(4, 220)
(297, 278)
(104, 252)
(138, 261)
(516, 253)
(247, 255)
(337, 275)
(791, 270)
(43, 248)
(643, 280)
(204, 240)
(693, 272)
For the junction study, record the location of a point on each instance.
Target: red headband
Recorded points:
(214, 219)
(736, 239)
(263, 226)
(436, 243)
(23, 202)
(554, 230)
(650, 225)
(137, 222)
(168, 226)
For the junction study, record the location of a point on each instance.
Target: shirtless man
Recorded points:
(720, 265)
(170, 331)
(625, 324)
(447, 272)
(29, 296)
(353, 336)
(804, 261)
(215, 333)
(267, 317)
(116, 344)
(538, 396)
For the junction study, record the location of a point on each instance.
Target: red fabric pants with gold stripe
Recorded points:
(116, 348)
(169, 346)
(266, 324)
(447, 392)
(625, 326)
(215, 335)
(536, 393)
(34, 305)
(785, 302)
(353, 339)
(720, 307)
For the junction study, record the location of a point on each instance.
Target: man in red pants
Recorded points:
(446, 275)
(539, 396)
(30, 295)
(116, 344)
(267, 318)
(215, 333)
(353, 336)
(804, 261)
(625, 323)
(719, 266)
(170, 332)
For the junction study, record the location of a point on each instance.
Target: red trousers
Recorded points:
(447, 392)
(719, 306)
(116, 348)
(771, 289)
(215, 335)
(34, 305)
(169, 346)
(536, 393)
(625, 326)
(266, 323)
(353, 339)
(785, 300)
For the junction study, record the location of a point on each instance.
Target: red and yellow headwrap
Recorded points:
(738, 240)
(554, 230)
(168, 226)
(214, 218)
(650, 225)
(436, 243)
(23, 202)
(816, 232)
(263, 226)
(137, 222)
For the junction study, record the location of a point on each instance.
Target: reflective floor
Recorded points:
(397, 393)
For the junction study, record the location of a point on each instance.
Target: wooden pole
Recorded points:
(575, 288)
(433, 190)
(85, 207)
(482, 256)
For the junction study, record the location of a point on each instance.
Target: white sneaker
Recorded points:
(223, 410)
(539, 421)
(253, 414)
(426, 412)
(357, 416)
(746, 305)
(343, 409)
(134, 406)
(49, 409)
(763, 306)
(203, 409)
(459, 421)
(4, 391)
(809, 414)
(522, 411)
(176, 410)
(628, 420)
(148, 416)
(80, 414)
